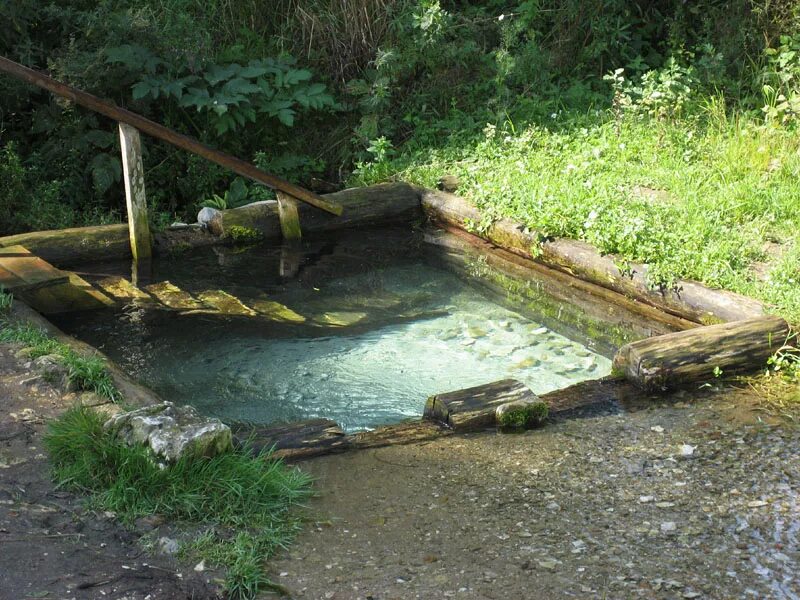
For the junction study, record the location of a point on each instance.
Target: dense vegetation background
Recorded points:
(662, 131)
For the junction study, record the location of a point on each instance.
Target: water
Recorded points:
(385, 327)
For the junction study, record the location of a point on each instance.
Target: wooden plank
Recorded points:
(289, 217)
(475, 408)
(225, 303)
(122, 289)
(135, 197)
(668, 361)
(75, 295)
(109, 109)
(172, 296)
(24, 271)
(399, 434)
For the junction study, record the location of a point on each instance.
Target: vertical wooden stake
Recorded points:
(289, 217)
(133, 172)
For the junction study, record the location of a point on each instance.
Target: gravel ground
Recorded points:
(695, 497)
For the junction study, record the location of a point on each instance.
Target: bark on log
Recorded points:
(399, 434)
(474, 408)
(375, 205)
(671, 360)
(303, 439)
(689, 300)
(65, 247)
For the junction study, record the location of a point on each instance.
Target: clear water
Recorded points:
(385, 328)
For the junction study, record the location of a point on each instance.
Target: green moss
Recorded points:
(243, 235)
(528, 415)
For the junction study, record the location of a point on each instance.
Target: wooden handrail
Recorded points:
(111, 110)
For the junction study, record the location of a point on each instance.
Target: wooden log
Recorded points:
(410, 432)
(689, 300)
(288, 217)
(135, 197)
(668, 361)
(303, 439)
(109, 109)
(66, 247)
(474, 408)
(389, 203)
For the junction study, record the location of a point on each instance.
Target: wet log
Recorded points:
(688, 299)
(399, 434)
(303, 439)
(669, 361)
(475, 408)
(388, 203)
(65, 247)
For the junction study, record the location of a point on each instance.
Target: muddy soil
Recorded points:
(51, 546)
(695, 497)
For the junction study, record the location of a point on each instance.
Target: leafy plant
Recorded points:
(781, 87)
(234, 197)
(230, 95)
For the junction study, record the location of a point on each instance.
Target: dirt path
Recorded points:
(694, 499)
(50, 545)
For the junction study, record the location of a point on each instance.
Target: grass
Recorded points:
(699, 198)
(88, 373)
(244, 500)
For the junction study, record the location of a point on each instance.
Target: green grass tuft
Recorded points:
(243, 235)
(246, 500)
(87, 372)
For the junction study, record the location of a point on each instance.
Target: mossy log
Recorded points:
(76, 245)
(688, 300)
(669, 361)
(388, 203)
(399, 434)
(475, 408)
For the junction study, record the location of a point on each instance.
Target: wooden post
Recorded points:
(133, 172)
(289, 217)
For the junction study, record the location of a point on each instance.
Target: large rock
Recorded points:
(211, 219)
(172, 431)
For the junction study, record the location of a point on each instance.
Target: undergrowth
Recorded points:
(701, 198)
(244, 501)
(86, 372)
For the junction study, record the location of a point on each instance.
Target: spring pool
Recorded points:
(370, 326)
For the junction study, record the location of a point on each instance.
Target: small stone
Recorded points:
(665, 504)
(687, 450)
(548, 564)
(168, 545)
(200, 567)
(756, 504)
(646, 499)
(668, 527)
(657, 429)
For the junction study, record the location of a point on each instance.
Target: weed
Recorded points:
(244, 499)
(6, 300)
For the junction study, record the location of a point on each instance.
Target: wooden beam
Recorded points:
(668, 361)
(111, 110)
(135, 197)
(289, 217)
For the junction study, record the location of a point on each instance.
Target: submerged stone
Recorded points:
(341, 318)
(277, 311)
(171, 431)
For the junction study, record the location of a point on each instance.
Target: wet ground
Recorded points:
(691, 498)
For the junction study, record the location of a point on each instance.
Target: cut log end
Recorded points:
(670, 361)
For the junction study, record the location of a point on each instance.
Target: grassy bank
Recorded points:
(706, 198)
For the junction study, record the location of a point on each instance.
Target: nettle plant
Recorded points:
(781, 87)
(229, 95)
